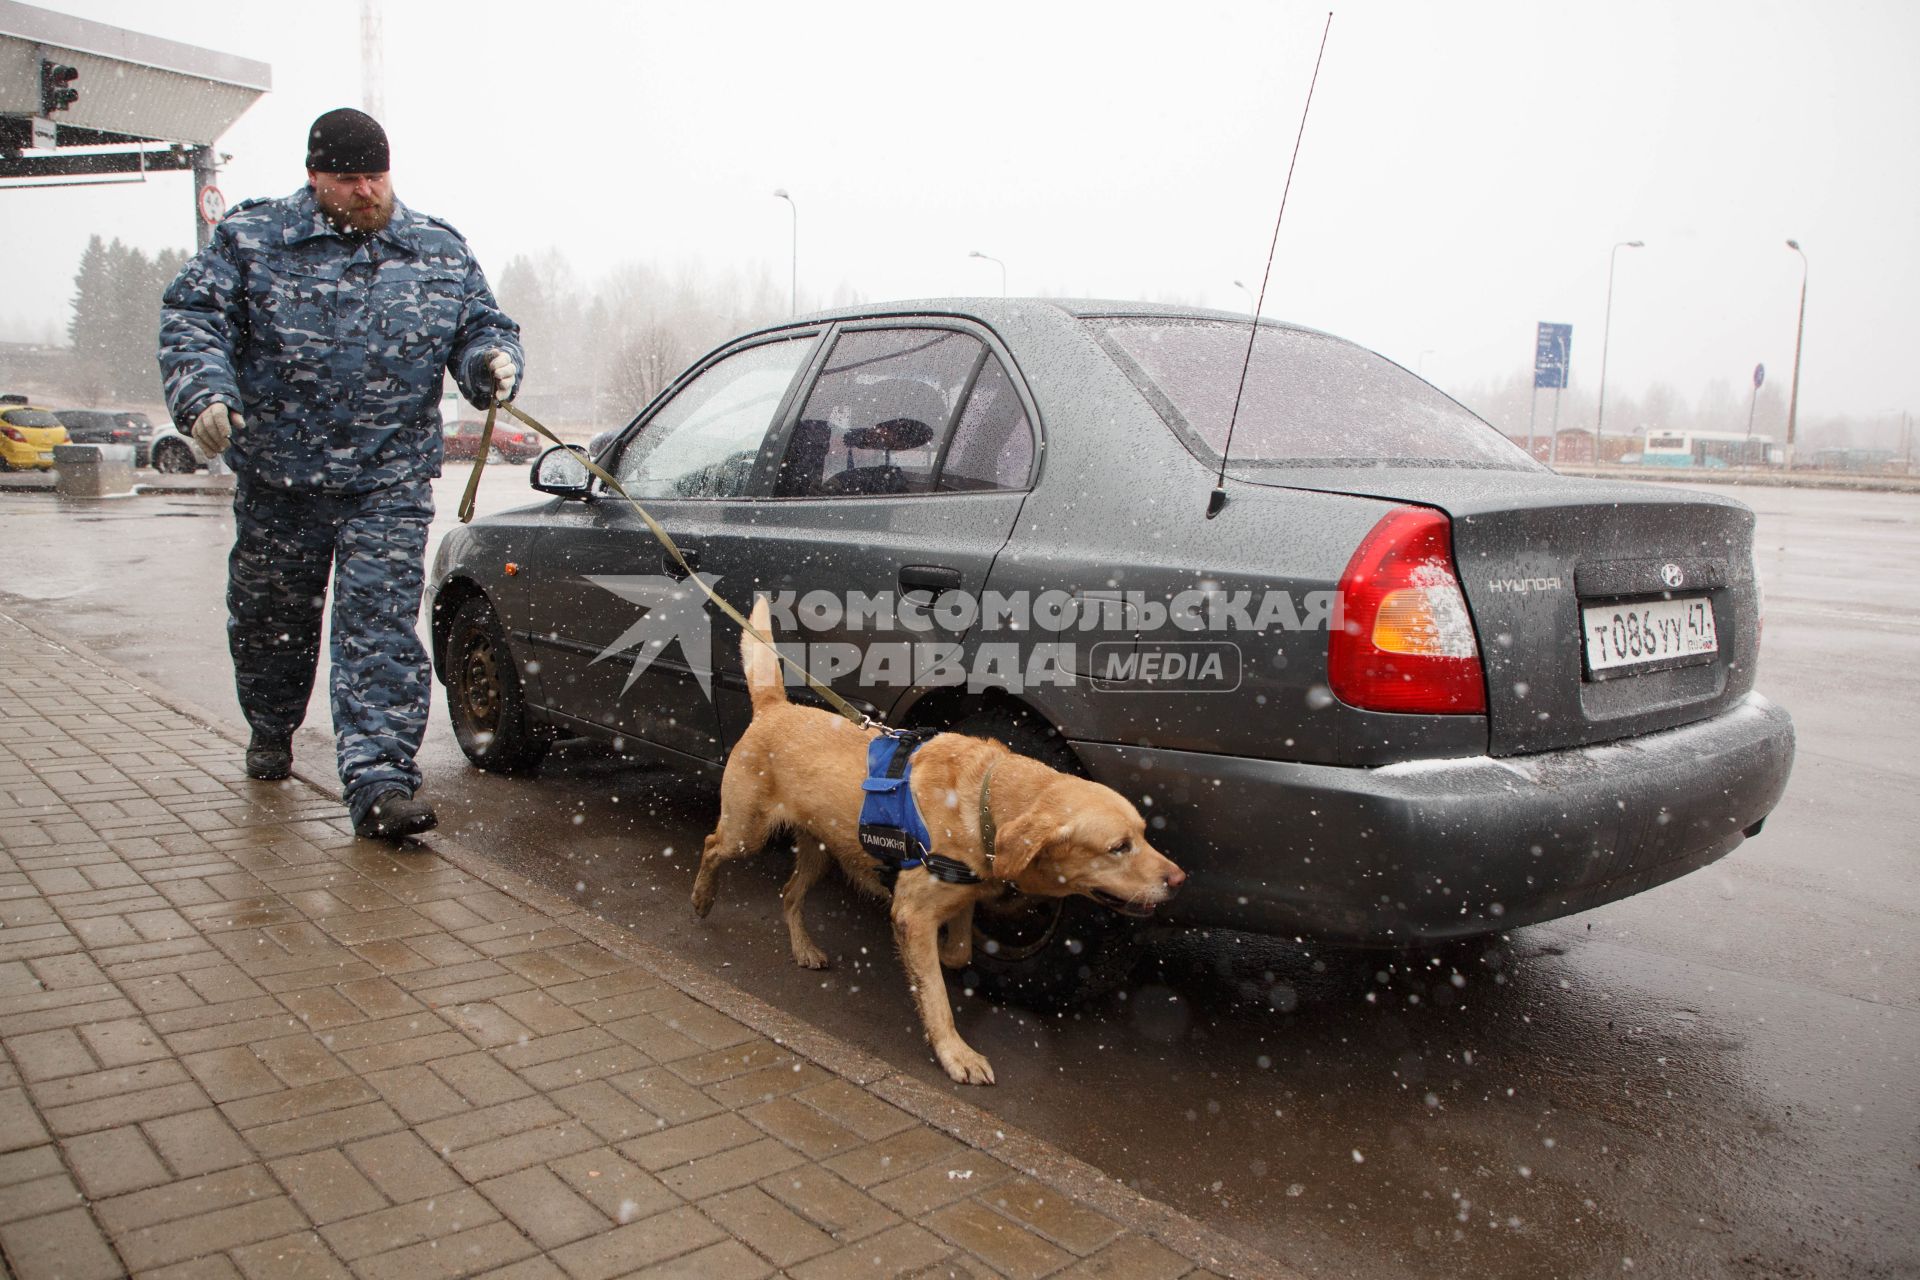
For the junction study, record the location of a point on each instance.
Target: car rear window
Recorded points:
(30, 418)
(1310, 399)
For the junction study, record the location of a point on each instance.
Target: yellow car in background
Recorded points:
(27, 437)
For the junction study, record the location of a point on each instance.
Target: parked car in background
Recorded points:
(105, 426)
(27, 437)
(174, 453)
(143, 434)
(511, 441)
(1396, 685)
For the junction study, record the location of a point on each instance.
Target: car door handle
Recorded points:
(671, 567)
(929, 577)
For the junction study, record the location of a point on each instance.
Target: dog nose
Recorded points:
(1175, 878)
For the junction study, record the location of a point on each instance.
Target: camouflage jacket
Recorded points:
(332, 349)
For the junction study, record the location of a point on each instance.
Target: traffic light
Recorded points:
(55, 95)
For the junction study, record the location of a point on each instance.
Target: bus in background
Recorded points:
(1709, 449)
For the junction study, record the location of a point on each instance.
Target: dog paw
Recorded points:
(811, 957)
(965, 1066)
(702, 903)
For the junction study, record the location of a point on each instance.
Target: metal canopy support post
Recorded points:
(1533, 407)
(1553, 444)
(203, 171)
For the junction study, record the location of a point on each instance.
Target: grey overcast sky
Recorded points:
(1467, 167)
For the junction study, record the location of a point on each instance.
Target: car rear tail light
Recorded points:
(1405, 640)
(14, 434)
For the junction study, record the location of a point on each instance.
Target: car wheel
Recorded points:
(1045, 952)
(173, 457)
(484, 700)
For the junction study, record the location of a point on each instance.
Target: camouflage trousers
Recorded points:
(374, 544)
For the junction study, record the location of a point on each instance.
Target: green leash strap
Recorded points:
(473, 480)
(833, 699)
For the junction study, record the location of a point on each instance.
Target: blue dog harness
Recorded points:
(892, 831)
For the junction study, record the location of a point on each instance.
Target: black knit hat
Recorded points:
(347, 141)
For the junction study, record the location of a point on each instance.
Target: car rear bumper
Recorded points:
(1440, 849)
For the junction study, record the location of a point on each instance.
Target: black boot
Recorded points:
(269, 758)
(394, 814)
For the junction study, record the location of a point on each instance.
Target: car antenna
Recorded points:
(1218, 498)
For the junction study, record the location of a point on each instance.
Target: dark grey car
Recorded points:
(101, 426)
(1407, 686)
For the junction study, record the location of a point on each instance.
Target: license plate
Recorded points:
(1646, 635)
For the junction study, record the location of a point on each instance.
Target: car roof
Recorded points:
(993, 311)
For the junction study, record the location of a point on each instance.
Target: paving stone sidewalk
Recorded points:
(240, 1042)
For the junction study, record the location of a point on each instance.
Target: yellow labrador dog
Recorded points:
(1047, 833)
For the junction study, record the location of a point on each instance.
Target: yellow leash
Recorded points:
(833, 699)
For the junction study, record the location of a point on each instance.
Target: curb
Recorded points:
(932, 1105)
(1840, 481)
(141, 489)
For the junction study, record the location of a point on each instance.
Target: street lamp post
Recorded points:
(1799, 332)
(1606, 333)
(1253, 303)
(996, 262)
(793, 259)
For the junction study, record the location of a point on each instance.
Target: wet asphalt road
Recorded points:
(1720, 1077)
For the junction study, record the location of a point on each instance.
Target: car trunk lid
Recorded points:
(1544, 559)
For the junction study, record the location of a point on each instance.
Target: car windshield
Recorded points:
(1310, 399)
(30, 418)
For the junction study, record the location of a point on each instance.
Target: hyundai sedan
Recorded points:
(1374, 675)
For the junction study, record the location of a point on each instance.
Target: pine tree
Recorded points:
(90, 328)
(133, 336)
(115, 329)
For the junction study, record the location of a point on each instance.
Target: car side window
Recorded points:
(879, 413)
(993, 445)
(704, 442)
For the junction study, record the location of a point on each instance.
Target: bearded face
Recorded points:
(354, 201)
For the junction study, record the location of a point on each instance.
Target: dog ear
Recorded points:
(1021, 841)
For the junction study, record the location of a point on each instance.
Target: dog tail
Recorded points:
(762, 668)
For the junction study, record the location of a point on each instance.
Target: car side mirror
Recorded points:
(562, 472)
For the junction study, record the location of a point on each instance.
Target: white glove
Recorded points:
(215, 426)
(504, 374)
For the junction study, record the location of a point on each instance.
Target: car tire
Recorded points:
(174, 458)
(484, 699)
(1045, 953)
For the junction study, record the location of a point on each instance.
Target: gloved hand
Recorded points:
(500, 364)
(215, 427)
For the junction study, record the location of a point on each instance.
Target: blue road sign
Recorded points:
(1551, 350)
(1759, 375)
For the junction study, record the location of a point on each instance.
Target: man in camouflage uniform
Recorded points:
(306, 344)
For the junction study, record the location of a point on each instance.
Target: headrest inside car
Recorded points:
(894, 433)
